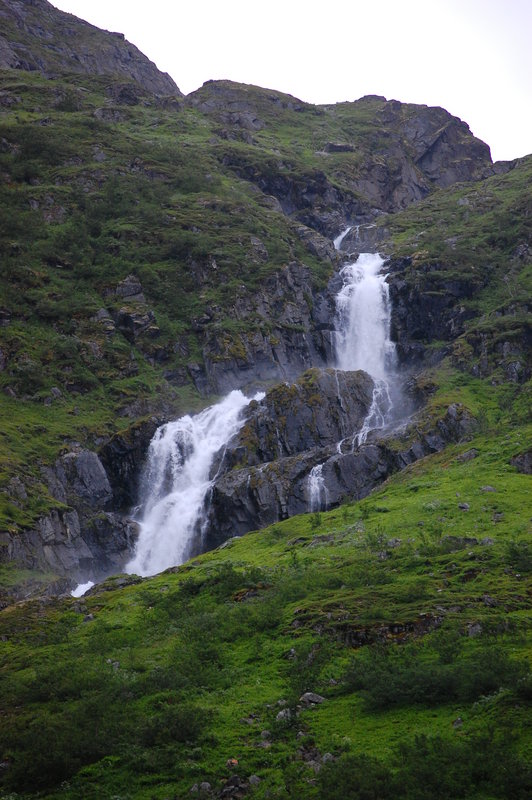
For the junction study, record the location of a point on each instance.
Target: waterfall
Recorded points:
(177, 477)
(317, 491)
(176, 481)
(363, 333)
(339, 239)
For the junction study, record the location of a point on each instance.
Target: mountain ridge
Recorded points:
(37, 36)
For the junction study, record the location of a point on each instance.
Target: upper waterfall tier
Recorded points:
(363, 318)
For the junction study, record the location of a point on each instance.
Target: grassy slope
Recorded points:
(171, 666)
(146, 698)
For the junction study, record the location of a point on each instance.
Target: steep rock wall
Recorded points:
(247, 499)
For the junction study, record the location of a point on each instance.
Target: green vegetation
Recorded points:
(413, 624)
(408, 612)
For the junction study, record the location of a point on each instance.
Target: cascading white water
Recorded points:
(317, 490)
(176, 482)
(363, 333)
(339, 239)
(81, 589)
(363, 319)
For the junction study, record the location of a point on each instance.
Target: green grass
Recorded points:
(407, 611)
(403, 584)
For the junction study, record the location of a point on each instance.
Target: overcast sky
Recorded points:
(473, 57)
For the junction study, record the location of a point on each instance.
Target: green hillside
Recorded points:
(408, 614)
(158, 250)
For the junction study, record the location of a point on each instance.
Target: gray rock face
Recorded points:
(365, 238)
(84, 475)
(250, 498)
(68, 544)
(319, 409)
(37, 36)
(85, 540)
(123, 456)
(426, 309)
(289, 332)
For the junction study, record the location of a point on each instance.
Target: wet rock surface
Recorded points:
(317, 410)
(249, 498)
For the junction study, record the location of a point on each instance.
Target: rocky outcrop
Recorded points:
(80, 476)
(286, 330)
(70, 544)
(523, 462)
(37, 36)
(444, 148)
(502, 351)
(425, 147)
(308, 196)
(319, 409)
(427, 304)
(366, 238)
(83, 537)
(123, 457)
(247, 499)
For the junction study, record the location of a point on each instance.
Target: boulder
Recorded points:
(84, 476)
(130, 289)
(523, 462)
(311, 698)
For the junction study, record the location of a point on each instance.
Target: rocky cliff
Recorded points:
(408, 151)
(244, 499)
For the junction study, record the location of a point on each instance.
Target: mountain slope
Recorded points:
(36, 36)
(157, 251)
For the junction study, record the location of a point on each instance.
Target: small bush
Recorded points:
(519, 555)
(355, 777)
(412, 674)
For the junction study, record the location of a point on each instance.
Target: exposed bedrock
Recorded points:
(286, 329)
(37, 36)
(320, 408)
(427, 305)
(84, 536)
(249, 498)
(123, 456)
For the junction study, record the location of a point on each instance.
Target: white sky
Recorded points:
(473, 57)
